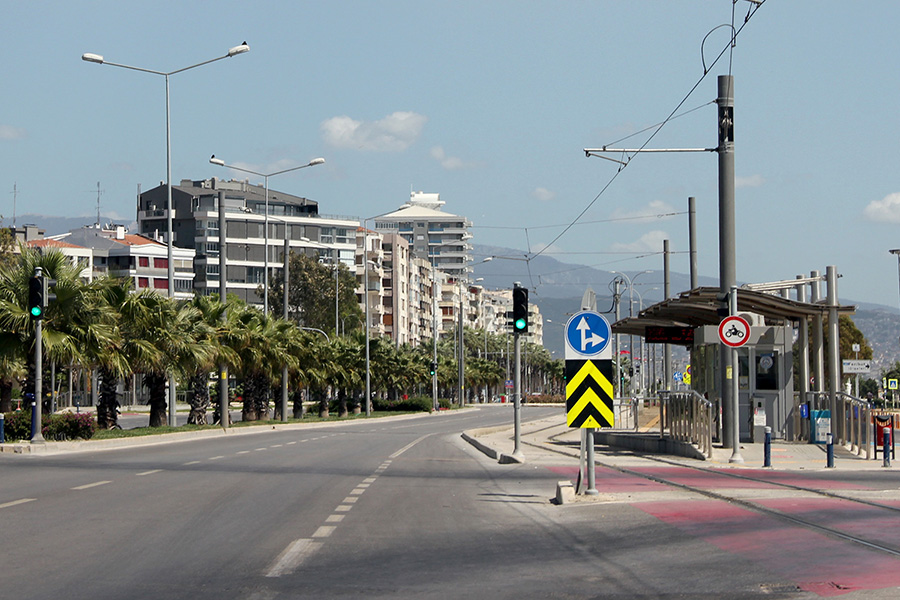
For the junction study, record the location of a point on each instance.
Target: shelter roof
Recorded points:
(699, 306)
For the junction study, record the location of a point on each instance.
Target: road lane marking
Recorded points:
(220, 456)
(193, 462)
(350, 499)
(369, 480)
(90, 485)
(407, 447)
(17, 502)
(363, 485)
(243, 452)
(292, 443)
(148, 472)
(343, 508)
(330, 519)
(357, 491)
(261, 449)
(324, 531)
(279, 445)
(292, 556)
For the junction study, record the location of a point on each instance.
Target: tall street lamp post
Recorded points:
(265, 176)
(97, 58)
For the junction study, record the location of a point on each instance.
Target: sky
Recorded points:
(489, 103)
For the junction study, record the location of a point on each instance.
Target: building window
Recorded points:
(160, 284)
(143, 282)
(143, 261)
(161, 263)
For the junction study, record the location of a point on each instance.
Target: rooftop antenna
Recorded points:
(15, 193)
(99, 192)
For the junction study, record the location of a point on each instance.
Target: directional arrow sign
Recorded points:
(587, 335)
(856, 366)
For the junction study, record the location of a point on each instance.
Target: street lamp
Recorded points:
(265, 176)
(630, 281)
(97, 58)
(896, 251)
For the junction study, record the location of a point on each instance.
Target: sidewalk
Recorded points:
(550, 441)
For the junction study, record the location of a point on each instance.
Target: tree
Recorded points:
(312, 294)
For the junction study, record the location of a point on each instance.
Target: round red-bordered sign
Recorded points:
(734, 331)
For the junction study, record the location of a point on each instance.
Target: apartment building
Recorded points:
(251, 246)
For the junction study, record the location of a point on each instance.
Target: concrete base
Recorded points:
(565, 492)
(650, 443)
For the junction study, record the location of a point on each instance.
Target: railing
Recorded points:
(851, 425)
(625, 413)
(689, 417)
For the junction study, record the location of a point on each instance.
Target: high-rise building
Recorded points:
(432, 234)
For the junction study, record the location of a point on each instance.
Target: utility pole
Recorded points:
(224, 415)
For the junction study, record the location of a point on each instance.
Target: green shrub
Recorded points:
(65, 426)
(415, 404)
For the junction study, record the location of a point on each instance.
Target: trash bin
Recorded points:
(882, 423)
(820, 425)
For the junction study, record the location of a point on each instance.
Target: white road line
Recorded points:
(350, 499)
(148, 472)
(295, 441)
(292, 556)
(17, 502)
(324, 531)
(193, 462)
(243, 452)
(343, 508)
(365, 485)
(90, 485)
(261, 449)
(369, 480)
(408, 446)
(301, 441)
(279, 445)
(330, 519)
(358, 491)
(220, 456)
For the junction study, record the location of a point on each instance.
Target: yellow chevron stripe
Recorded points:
(590, 397)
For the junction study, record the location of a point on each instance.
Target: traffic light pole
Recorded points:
(517, 395)
(37, 437)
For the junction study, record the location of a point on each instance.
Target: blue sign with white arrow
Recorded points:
(588, 335)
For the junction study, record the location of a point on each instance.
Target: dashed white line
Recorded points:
(369, 480)
(243, 452)
(357, 491)
(351, 499)
(17, 502)
(276, 446)
(90, 485)
(193, 462)
(343, 508)
(260, 449)
(148, 472)
(292, 443)
(292, 556)
(330, 519)
(215, 457)
(324, 531)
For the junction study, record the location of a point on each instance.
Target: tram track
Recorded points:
(746, 503)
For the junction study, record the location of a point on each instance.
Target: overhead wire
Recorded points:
(756, 5)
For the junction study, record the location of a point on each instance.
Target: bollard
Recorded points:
(34, 420)
(2, 433)
(886, 447)
(830, 455)
(767, 448)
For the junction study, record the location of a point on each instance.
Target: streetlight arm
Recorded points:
(221, 163)
(98, 58)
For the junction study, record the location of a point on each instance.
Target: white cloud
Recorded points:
(652, 241)
(8, 132)
(543, 194)
(395, 132)
(651, 211)
(885, 210)
(451, 163)
(751, 181)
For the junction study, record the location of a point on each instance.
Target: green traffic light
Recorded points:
(36, 311)
(520, 324)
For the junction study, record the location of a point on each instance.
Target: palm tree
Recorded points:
(211, 331)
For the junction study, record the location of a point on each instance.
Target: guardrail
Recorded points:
(625, 413)
(688, 417)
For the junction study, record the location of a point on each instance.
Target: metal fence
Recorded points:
(687, 417)
(851, 426)
(625, 413)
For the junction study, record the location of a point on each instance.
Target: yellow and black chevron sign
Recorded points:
(589, 393)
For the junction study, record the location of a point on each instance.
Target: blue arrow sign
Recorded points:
(588, 334)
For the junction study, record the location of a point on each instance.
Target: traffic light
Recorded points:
(36, 297)
(520, 309)
(47, 295)
(433, 367)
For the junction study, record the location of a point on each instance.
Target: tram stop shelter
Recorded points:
(766, 361)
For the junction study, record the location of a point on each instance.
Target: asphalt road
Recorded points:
(394, 508)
